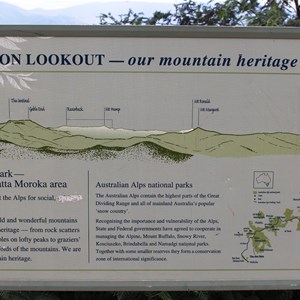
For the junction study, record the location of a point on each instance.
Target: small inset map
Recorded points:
(260, 231)
(263, 179)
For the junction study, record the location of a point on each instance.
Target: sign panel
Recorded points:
(149, 161)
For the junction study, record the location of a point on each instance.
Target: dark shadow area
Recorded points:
(157, 295)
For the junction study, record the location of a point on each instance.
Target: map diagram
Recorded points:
(263, 179)
(260, 232)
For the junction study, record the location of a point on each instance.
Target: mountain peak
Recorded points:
(82, 14)
(15, 126)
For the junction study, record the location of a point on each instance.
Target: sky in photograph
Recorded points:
(56, 4)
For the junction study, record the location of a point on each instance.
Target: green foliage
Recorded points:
(272, 14)
(165, 295)
(19, 295)
(190, 295)
(130, 18)
(223, 13)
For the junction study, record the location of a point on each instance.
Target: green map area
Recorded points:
(258, 236)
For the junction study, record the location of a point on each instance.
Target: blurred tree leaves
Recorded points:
(225, 13)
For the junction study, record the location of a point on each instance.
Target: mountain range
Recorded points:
(177, 146)
(85, 14)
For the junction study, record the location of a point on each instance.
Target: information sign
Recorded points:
(140, 158)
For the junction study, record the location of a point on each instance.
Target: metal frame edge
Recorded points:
(151, 31)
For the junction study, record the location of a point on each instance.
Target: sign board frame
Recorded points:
(162, 33)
